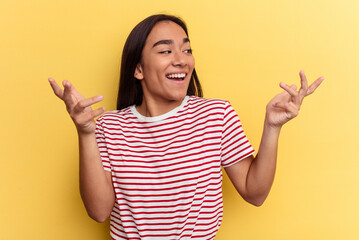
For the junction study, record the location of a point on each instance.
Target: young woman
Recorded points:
(154, 165)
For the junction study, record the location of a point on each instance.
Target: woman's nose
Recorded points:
(179, 58)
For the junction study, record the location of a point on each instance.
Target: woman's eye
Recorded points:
(166, 52)
(188, 51)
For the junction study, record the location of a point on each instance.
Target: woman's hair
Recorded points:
(130, 90)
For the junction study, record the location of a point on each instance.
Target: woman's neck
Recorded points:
(152, 108)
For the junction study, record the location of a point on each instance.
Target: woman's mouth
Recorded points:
(176, 76)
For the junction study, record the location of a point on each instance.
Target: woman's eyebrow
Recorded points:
(168, 42)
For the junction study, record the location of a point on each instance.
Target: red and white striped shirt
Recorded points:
(166, 170)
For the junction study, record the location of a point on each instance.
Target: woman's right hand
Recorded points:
(78, 107)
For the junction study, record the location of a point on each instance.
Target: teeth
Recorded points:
(177, 75)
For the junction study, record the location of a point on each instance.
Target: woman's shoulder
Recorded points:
(194, 100)
(124, 114)
(207, 106)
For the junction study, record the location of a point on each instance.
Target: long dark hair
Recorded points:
(130, 90)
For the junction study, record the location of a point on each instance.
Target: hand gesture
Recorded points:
(286, 105)
(78, 107)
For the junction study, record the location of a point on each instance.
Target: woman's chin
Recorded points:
(178, 96)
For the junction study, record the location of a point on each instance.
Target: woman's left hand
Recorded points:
(286, 105)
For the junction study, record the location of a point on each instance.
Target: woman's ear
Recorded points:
(138, 72)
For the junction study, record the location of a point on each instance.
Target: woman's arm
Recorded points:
(95, 183)
(253, 177)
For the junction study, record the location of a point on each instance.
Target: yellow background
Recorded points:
(243, 49)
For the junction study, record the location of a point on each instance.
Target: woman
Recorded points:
(154, 165)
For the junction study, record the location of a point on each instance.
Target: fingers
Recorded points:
(56, 88)
(305, 90)
(74, 101)
(290, 89)
(292, 92)
(285, 96)
(286, 105)
(314, 85)
(81, 105)
(81, 120)
(77, 106)
(290, 109)
(67, 96)
(83, 115)
(97, 112)
(297, 97)
(303, 81)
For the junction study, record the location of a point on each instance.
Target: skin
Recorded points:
(95, 183)
(167, 50)
(252, 176)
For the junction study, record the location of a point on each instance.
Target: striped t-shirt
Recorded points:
(166, 170)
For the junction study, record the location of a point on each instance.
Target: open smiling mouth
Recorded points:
(176, 76)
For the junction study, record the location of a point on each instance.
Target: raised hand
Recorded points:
(78, 107)
(286, 105)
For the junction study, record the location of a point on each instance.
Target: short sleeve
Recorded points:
(101, 143)
(234, 143)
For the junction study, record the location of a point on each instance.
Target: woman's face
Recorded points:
(166, 65)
